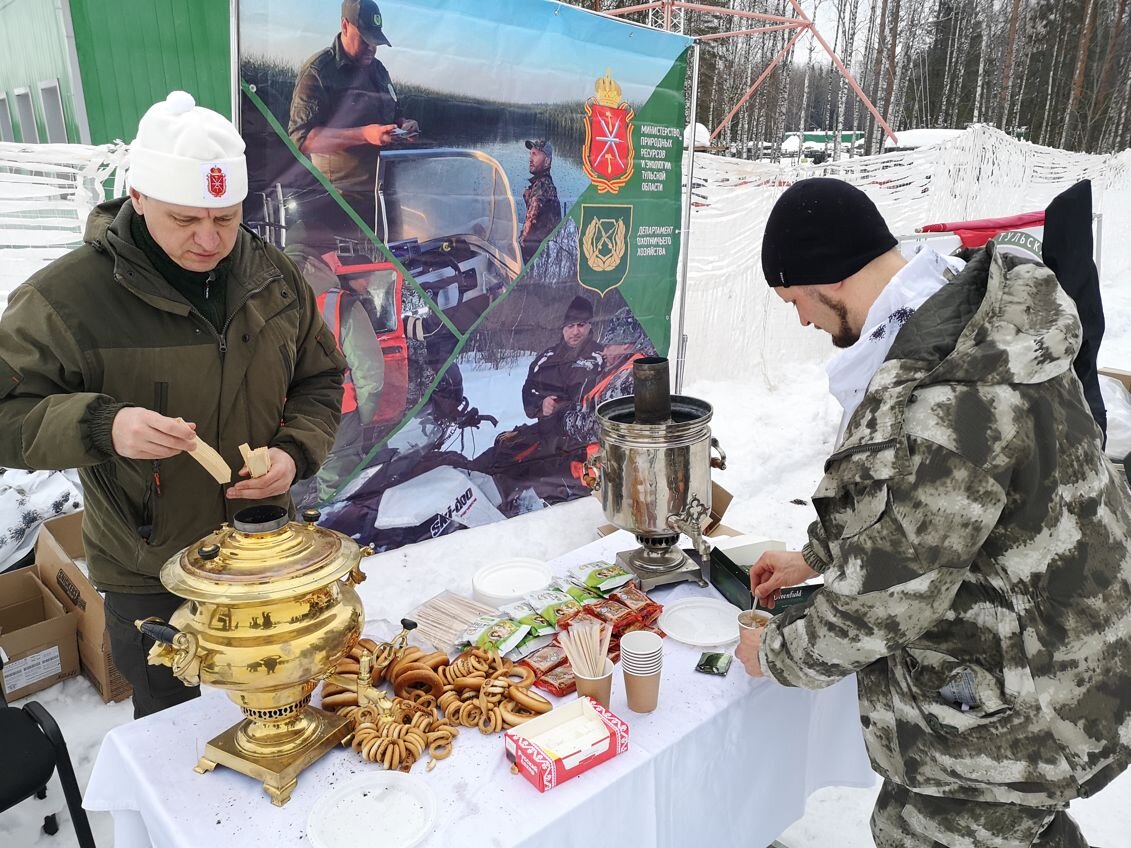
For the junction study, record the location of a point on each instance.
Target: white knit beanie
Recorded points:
(188, 155)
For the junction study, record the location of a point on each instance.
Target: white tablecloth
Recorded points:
(722, 761)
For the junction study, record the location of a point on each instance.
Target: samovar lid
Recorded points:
(261, 555)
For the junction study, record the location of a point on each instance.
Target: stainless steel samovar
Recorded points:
(653, 470)
(270, 610)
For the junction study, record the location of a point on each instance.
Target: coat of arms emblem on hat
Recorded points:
(217, 181)
(608, 156)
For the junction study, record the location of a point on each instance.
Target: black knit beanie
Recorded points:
(579, 311)
(822, 231)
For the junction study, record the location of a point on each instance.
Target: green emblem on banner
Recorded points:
(604, 246)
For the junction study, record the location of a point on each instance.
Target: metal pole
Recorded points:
(234, 39)
(685, 234)
(769, 69)
(1099, 219)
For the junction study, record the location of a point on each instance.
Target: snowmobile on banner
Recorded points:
(419, 485)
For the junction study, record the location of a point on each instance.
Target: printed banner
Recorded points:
(486, 198)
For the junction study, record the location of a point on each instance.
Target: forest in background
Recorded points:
(1055, 72)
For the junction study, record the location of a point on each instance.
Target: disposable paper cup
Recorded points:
(641, 643)
(646, 667)
(597, 688)
(753, 619)
(643, 691)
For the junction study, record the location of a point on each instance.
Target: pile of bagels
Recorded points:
(433, 696)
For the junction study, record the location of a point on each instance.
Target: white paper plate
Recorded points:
(401, 807)
(701, 622)
(508, 581)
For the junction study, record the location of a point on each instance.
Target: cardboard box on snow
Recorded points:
(36, 634)
(565, 742)
(720, 501)
(58, 546)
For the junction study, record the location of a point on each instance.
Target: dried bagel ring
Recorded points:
(470, 713)
(341, 699)
(369, 752)
(526, 673)
(440, 750)
(435, 659)
(394, 673)
(418, 678)
(514, 715)
(348, 666)
(528, 699)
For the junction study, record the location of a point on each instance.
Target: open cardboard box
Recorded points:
(58, 546)
(720, 502)
(565, 742)
(1125, 378)
(1122, 376)
(36, 634)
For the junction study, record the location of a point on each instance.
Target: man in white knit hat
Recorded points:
(170, 321)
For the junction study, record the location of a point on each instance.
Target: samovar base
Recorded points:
(654, 567)
(279, 774)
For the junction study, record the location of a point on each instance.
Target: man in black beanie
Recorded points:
(559, 374)
(973, 538)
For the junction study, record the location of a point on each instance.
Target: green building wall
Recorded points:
(33, 50)
(130, 54)
(134, 52)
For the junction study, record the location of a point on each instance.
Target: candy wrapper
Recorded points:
(553, 604)
(523, 613)
(489, 632)
(602, 576)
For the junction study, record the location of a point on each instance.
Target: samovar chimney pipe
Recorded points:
(652, 392)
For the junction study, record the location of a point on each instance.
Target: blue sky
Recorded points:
(518, 51)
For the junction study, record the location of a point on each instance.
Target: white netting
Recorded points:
(46, 193)
(979, 174)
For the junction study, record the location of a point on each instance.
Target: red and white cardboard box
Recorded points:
(565, 742)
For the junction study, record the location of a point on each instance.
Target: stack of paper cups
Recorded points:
(641, 658)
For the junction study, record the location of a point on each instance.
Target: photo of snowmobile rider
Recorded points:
(547, 457)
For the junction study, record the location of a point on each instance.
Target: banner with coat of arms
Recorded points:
(486, 198)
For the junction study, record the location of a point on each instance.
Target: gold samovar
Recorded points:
(270, 610)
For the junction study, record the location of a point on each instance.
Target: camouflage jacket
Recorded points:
(543, 212)
(974, 542)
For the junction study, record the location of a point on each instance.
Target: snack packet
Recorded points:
(616, 614)
(639, 602)
(489, 631)
(523, 613)
(581, 594)
(602, 576)
(714, 663)
(544, 659)
(558, 682)
(553, 604)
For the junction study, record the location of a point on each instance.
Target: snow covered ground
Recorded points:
(776, 421)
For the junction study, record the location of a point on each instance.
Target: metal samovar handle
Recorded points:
(688, 522)
(591, 471)
(719, 462)
(174, 648)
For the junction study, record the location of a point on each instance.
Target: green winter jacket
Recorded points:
(99, 329)
(975, 547)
